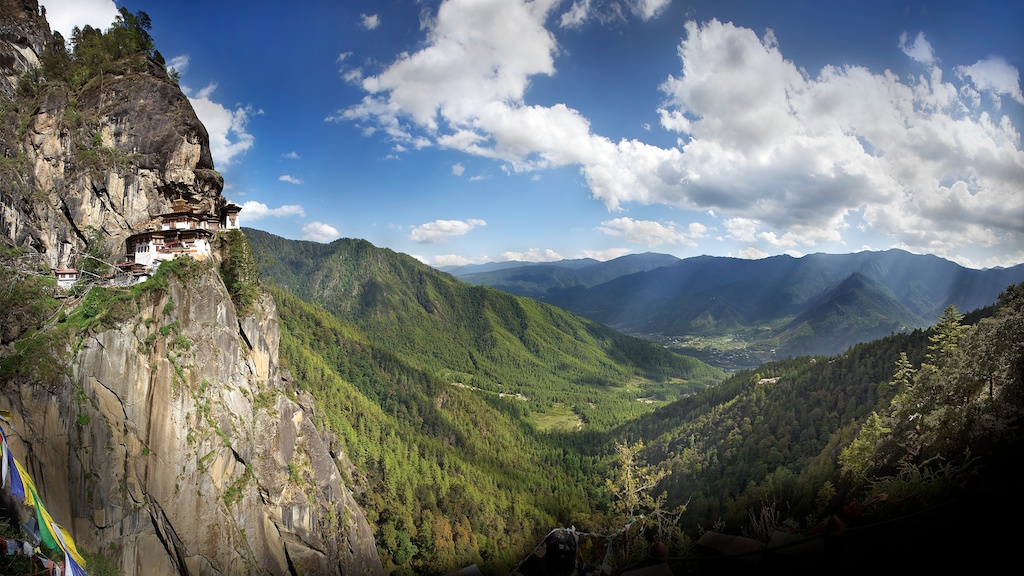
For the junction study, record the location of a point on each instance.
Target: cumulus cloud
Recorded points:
(289, 179)
(576, 15)
(606, 11)
(995, 75)
(458, 169)
(319, 232)
(227, 128)
(649, 9)
(64, 15)
(370, 21)
(533, 255)
(604, 255)
(753, 253)
(179, 63)
(252, 210)
(293, 155)
(441, 230)
(651, 233)
(797, 156)
(919, 50)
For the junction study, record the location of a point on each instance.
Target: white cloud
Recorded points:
(649, 232)
(293, 155)
(604, 255)
(227, 128)
(178, 63)
(442, 230)
(995, 75)
(608, 11)
(64, 15)
(369, 21)
(533, 255)
(477, 53)
(252, 210)
(319, 232)
(760, 139)
(576, 15)
(289, 179)
(753, 254)
(649, 9)
(920, 50)
(458, 169)
(454, 260)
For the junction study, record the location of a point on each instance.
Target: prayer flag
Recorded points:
(45, 525)
(3, 456)
(20, 480)
(74, 564)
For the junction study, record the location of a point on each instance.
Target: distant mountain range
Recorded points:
(816, 304)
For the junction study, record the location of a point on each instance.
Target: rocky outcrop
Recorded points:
(179, 445)
(23, 34)
(173, 442)
(110, 156)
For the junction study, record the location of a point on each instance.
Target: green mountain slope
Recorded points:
(448, 477)
(480, 337)
(909, 439)
(470, 414)
(460, 474)
(858, 309)
(758, 300)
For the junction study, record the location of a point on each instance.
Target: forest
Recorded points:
(900, 422)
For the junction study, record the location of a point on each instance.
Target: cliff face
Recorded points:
(23, 34)
(111, 155)
(177, 444)
(173, 443)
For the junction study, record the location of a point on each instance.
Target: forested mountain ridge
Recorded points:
(771, 449)
(475, 335)
(538, 279)
(909, 440)
(778, 303)
(441, 392)
(767, 449)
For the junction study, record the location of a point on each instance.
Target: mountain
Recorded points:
(777, 303)
(153, 418)
(858, 309)
(902, 443)
(269, 406)
(468, 405)
(503, 342)
(536, 280)
(468, 269)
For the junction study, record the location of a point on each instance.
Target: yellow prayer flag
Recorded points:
(69, 545)
(26, 480)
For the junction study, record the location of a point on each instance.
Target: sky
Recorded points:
(472, 131)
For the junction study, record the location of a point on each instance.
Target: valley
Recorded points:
(194, 396)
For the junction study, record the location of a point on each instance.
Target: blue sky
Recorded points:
(468, 131)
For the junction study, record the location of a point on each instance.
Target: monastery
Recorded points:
(184, 231)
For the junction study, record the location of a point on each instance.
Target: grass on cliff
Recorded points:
(42, 349)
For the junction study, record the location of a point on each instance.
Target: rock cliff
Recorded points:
(177, 444)
(110, 155)
(173, 442)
